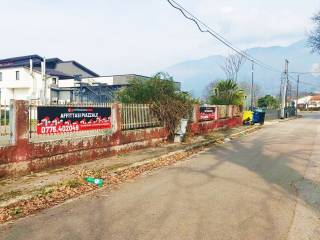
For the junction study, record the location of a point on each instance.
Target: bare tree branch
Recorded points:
(232, 66)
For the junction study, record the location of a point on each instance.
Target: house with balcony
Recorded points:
(36, 78)
(56, 81)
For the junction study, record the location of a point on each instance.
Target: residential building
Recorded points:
(33, 77)
(309, 102)
(56, 81)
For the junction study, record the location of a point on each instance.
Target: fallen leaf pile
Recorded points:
(76, 187)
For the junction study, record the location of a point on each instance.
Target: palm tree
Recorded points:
(226, 92)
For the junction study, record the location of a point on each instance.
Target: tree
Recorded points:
(226, 92)
(314, 36)
(168, 103)
(246, 87)
(268, 101)
(232, 66)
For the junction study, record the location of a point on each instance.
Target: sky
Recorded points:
(145, 36)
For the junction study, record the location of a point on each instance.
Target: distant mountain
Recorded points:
(195, 75)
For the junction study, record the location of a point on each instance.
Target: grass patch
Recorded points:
(9, 195)
(44, 191)
(73, 183)
(15, 211)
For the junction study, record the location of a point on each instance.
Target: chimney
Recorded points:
(31, 65)
(43, 68)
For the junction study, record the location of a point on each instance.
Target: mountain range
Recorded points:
(196, 75)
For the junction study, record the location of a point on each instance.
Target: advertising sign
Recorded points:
(53, 120)
(207, 113)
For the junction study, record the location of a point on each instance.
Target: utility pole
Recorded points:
(298, 82)
(284, 91)
(252, 85)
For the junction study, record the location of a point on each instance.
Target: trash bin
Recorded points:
(247, 117)
(258, 117)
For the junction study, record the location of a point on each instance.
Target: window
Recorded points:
(17, 75)
(0, 76)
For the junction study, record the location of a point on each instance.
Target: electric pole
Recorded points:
(252, 85)
(298, 81)
(284, 91)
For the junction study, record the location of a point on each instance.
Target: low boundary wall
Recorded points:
(24, 156)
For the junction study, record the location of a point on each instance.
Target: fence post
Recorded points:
(19, 122)
(230, 111)
(196, 113)
(216, 112)
(116, 117)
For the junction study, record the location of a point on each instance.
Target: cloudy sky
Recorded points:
(145, 36)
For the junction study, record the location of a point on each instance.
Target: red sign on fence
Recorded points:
(207, 113)
(53, 120)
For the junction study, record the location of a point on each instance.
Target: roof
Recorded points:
(20, 61)
(24, 61)
(315, 98)
(127, 75)
(83, 68)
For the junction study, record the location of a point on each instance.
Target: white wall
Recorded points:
(69, 83)
(29, 86)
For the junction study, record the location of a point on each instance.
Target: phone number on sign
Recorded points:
(57, 129)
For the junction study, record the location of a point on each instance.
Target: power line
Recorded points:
(303, 82)
(310, 84)
(187, 14)
(305, 73)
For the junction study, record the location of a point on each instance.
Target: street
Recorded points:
(262, 186)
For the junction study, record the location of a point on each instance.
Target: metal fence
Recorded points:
(223, 111)
(136, 116)
(272, 114)
(4, 124)
(33, 123)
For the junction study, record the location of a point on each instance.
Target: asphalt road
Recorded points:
(262, 186)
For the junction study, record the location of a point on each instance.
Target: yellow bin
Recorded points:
(247, 116)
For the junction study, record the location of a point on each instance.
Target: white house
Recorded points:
(53, 80)
(309, 102)
(33, 77)
(24, 83)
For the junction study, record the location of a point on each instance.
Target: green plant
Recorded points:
(15, 211)
(269, 102)
(168, 103)
(226, 92)
(44, 191)
(73, 183)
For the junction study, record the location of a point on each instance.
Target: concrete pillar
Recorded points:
(230, 111)
(196, 114)
(116, 117)
(19, 122)
(216, 112)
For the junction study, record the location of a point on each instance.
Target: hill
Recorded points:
(195, 75)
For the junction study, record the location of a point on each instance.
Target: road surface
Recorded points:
(262, 186)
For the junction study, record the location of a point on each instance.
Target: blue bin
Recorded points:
(258, 117)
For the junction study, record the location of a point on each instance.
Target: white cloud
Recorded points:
(144, 36)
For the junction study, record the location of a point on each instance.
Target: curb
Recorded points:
(185, 153)
(191, 148)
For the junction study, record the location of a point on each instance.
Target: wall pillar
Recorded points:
(230, 111)
(116, 117)
(19, 122)
(216, 112)
(19, 129)
(196, 114)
